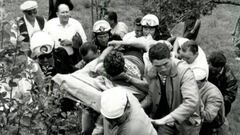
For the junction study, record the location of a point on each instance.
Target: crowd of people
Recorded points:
(157, 83)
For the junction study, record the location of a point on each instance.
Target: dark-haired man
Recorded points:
(194, 55)
(173, 94)
(118, 28)
(222, 76)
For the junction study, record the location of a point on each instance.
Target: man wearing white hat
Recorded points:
(28, 24)
(123, 114)
(212, 111)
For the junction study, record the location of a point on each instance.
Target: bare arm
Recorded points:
(196, 26)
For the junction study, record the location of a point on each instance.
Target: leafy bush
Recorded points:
(29, 102)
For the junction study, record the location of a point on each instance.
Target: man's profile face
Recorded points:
(162, 66)
(138, 31)
(63, 13)
(187, 55)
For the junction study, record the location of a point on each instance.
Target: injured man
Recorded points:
(110, 69)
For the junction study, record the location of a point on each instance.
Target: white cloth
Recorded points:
(129, 36)
(58, 31)
(120, 29)
(31, 29)
(200, 61)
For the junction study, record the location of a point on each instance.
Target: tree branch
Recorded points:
(225, 2)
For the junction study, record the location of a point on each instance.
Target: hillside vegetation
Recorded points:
(215, 32)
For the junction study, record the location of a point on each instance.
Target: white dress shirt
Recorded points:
(58, 31)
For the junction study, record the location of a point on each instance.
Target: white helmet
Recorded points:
(113, 102)
(150, 20)
(101, 26)
(41, 43)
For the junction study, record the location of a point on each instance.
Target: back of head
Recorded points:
(114, 63)
(113, 102)
(112, 16)
(159, 51)
(87, 46)
(191, 45)
(217, 59)
(137, 21)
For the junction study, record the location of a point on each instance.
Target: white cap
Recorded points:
(28, 5)
(101, 26)
(113, 102)
(199, 74)
(41, 43)
(150, 20)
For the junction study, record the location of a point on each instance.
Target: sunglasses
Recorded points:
(31, 12)
(42, 57)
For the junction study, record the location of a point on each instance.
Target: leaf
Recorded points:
(25, 121)
(12, 83)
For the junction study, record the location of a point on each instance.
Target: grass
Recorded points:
(214, 33)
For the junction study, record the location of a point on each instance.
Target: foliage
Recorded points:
(29, 105)
(174, 11)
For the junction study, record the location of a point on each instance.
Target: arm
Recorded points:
(81, 31)
(190, 98)
(235, 28)
(196, 26)
(212, 106)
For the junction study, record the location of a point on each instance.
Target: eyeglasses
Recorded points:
(31, 12)
(42, 57)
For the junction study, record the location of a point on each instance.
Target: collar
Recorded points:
(59, 24)
(173, 71)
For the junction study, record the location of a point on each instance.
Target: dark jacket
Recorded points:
(23, 27)
(227, 83)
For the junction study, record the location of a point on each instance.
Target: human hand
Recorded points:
(122, 76)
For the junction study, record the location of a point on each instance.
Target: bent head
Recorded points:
(159, 55)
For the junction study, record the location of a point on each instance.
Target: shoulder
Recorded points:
(74, 21)
(53, 21)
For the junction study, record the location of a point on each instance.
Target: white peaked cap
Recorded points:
(28, 5)
(113, 102)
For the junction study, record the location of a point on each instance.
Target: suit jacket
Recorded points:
(181, 90)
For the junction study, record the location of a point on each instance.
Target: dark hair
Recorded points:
(217, 59)
(112, 16)
(137, 21)
(114, 63)
(86, 47)
(159, 51)
(192, 45)
(116, 37)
